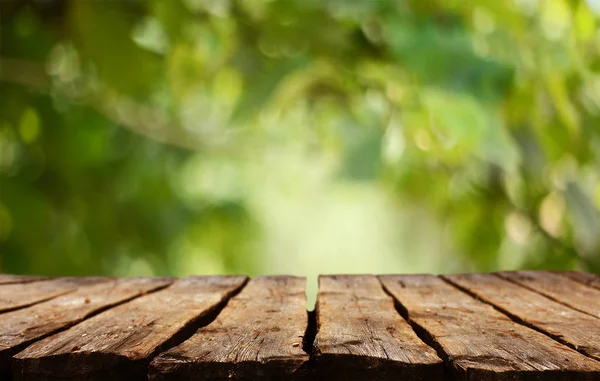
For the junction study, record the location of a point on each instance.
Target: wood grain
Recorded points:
(360, 335)
(9, 279)
(258, 335)
(554, 319)
(14, 296)
(592, 280)
(480, 343)
(22, 327)
(559, 288)
(119, 343)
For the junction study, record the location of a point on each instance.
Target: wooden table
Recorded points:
(504, 326)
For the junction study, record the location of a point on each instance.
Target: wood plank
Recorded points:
(480, 343)
(22, 327)
(360, 335)
(9, 278)
(14, 296)
(118, 344)
(257, 336)
(592, 280)
(559, 288)
(576, 329)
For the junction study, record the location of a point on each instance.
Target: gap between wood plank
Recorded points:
(257, 336)
(309, 335)
(189, 330)
(8, 355)
(362, 336)
(308, 340)
(557, 300)
(21, 296)
(177, 338)
(20, 279)
(420, 331)
(427, 338)
(487, 345)
(587, 279)
(515, 318)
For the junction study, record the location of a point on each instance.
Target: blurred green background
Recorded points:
(298, 136)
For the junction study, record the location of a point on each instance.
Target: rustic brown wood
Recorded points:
(22, 327)
(592, 280)
(505, 326)
(9, 279)
(559, 288)
(480, 343)
(360, 335)
(554, 319)
(258, 335)
(14, 296)
(119, 343)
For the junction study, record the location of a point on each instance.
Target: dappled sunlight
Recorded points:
(299, 136)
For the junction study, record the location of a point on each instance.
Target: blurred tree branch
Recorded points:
(155, 125)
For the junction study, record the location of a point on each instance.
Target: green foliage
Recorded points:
(141, 137)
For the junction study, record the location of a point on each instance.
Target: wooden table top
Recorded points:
(526, 325)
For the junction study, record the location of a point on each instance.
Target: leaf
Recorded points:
(444, 57)
(29, 128)
(585, 22)
(584, 217)
(103, 37)
(259, 90)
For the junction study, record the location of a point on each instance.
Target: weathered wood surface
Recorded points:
(479, 343)
(119, 343)
(360, 335)
(559, 288)
(554, 319)
(8, 278)
(22, 327)
(516, 326)
(14, 296)
(258, 336)
(592, 280)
